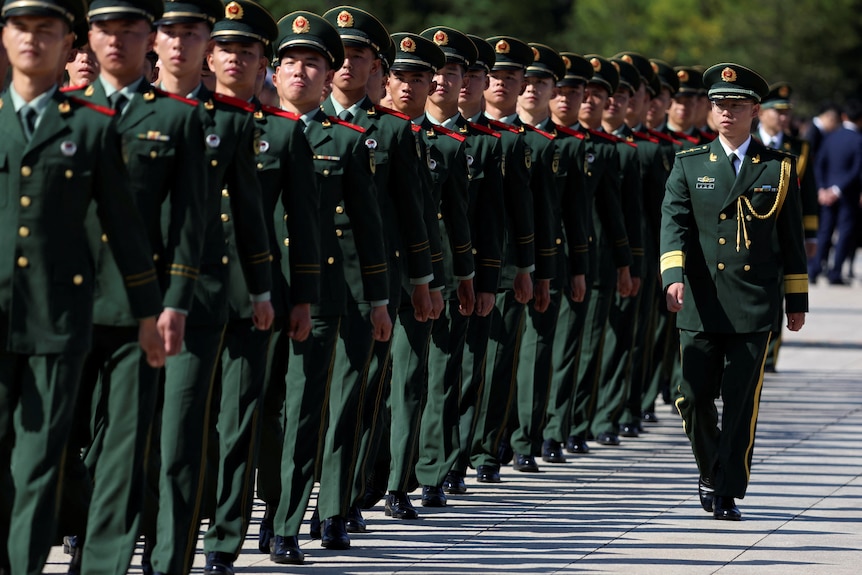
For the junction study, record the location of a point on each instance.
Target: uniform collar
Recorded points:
(355, 109)
(510, 119)
(740, 151)
(128, 91)
(39, 103)
(449, 123)
(766, 138)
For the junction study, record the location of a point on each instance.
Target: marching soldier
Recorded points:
(682, 114)
(61, 152)
(731, 239)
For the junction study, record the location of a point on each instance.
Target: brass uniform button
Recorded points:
(748, 218)
(104, 238)
(24, 231)
(285, 217)
(722, 241)
(26, 171)
(339, 209)
(558, 241)
(260, 165)
(720, 266)
(225, 260)
(225, 218)
(154, 154)
(330, 260)
(287, 242)
(475, 251)
(26, 201)
(338, 233)
(439, 216)
(214, 163)
(23, 262)
(746, 267)
(225, 193)
(397, 254)
(155, 257)
(326, 172)
(722, 216)
(78, 279)
(69, 174)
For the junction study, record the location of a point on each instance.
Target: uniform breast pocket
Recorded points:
(328, 169)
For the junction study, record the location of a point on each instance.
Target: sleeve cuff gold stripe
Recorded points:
(796, 283)
(674, 259)
(810, 223)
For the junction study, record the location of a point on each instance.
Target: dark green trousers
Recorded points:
(566, 351)
(184, 435)
(271, 430)
(472, 383)
(243, 367)
(642, 350)
(507, 326)
(37, 403)
(730, 366)
(665, 353)
(535, 370)
(439, 433)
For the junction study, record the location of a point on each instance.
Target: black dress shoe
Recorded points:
(355, 522)
(505, 452)
(649, 417)
(314, 525)
(606, 438)
(525, 463)
(726, 509)
(266, 533)
(488, 474)
(219, 563)
(335, 534)
(399, 506)
(433, 496)
(454, 483)
(577, 445)
(706, 493)
(286, 551)
(629, 430)
(552, 451)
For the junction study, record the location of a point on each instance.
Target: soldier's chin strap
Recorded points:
(741, 227)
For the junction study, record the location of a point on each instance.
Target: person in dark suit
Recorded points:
(838, 170)
(731, 237)
(827, 120)
(59, 153)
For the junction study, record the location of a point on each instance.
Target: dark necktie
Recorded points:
(734, 162)
(119, 102)
(345, 115)
(28, 116)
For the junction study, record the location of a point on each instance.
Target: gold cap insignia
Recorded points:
(407, 45)
(682, 75)
(627, 59)
(502, 47)
(567, 62)
(300, 25)
(728, 74)
(536, 54)
(345, 19)
(596, 63)
(233, 11)
(654, 67)
(784, 91)
(441, 38)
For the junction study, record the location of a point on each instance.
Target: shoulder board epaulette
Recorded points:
(569, 132)
(391, 112)
(101, 109)
(663, 136)
(483, 129)
(415, 128)
(448, 132)
(686, 137)
(503, 126)
(235, 102)
(781, 152)
(67, 89)
(645, 136)
(538, 131)
(340, 122)
(176, 97)
(691, 151)
(708, 135)
(273, 111)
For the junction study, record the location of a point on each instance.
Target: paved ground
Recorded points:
(634, 509)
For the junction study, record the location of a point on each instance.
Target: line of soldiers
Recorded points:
(372, 298)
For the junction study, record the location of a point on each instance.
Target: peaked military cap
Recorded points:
(456, 46)
(629, 76)
(71, 11)
(690, 80)
(728, 80)
(486, 58)
(101, 10)
(778, 97)
(190, 11)
(578, 70)
(666, 75)
(641, 64)
(415, 53)
(245, 21)
(510, 53)
(604, 73)
(358, 28)
(307, 30)
(547, 63)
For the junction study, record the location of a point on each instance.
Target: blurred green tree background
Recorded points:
(814, 44)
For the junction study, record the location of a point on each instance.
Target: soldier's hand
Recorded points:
(523, 288)
(262, 314)
(299, 322)
(795, 321)
(172, 329)
(381, 323)
(421, 300)
(674, 296)
(466, 297)
(436, 304)
(624, 281)
(484, 303)
(151, 342)
(579, 287)
(542, 295)
(636, 286)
